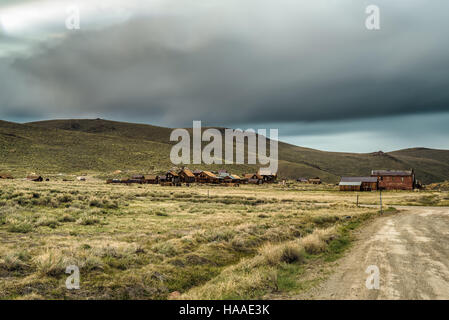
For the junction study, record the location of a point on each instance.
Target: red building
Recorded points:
(395, 179)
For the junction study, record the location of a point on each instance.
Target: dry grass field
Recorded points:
(153, 242)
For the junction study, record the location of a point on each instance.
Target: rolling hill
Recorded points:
(101, 146)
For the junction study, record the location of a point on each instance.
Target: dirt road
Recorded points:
(411, 250)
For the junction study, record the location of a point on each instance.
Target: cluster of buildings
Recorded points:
(316, 180)
(187, 176)
(381, 180)
(378, 180)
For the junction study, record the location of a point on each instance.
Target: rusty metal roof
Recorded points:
(391, 172)
(209, 174)
(188, 173)
(358, 179)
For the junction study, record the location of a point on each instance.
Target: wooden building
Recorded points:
(358, 184)
(395, 179)
(224, 177)
(207, 177)
(253, 178)
(227, 178)
(187, 176)
(151, 179)
(162, 178)
(173, 177)
(315, 180)
(350, 186)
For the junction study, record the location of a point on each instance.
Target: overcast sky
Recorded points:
(309, 68)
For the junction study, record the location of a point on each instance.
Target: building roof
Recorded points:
(234, 176)
(348, 183)
(392, 172)
(188, 173)
(358, 179)
(150, 177)
(209, 174)
(173, 173)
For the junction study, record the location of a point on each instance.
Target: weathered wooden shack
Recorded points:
(224, 177)
(395, 179)
(186, 176)
(350, 186)
(151, 179)
(253, 178)
(207, 177)
(316, 180)
(358, 184)
(173, 177)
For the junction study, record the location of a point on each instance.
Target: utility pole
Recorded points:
(381, 209)
(357, 199)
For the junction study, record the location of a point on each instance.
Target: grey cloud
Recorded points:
(252, 62)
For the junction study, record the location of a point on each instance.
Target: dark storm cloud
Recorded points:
(279, 62)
